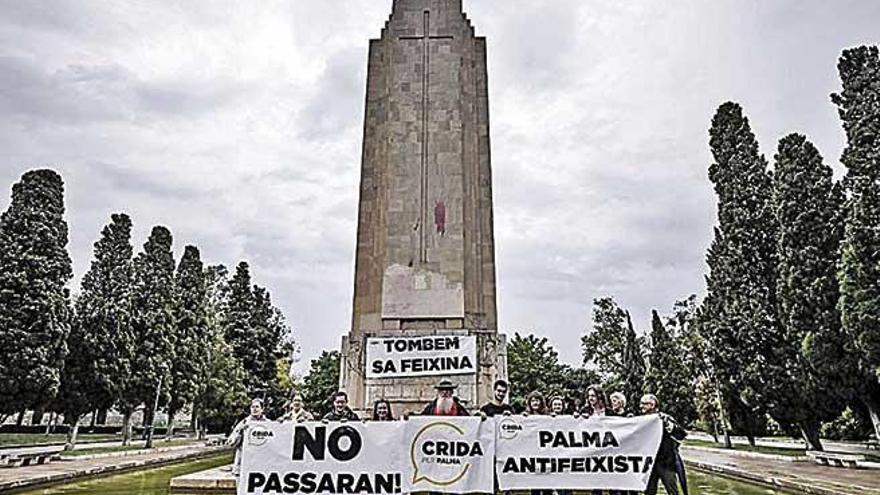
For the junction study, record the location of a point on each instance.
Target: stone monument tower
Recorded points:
(424, 298)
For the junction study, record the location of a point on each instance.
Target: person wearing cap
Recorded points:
(446, 404)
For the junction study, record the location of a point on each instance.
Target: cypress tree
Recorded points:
(614, 349)
(216, 289)
(152, 324)
(190, 332)
(34, 302)
(859, 108)
(667, 375)
(273, 335)
(100, 342)
(739, 311)
(811, 381)
(239, 332)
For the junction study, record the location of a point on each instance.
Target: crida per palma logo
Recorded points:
(259, 435)
(440, 454)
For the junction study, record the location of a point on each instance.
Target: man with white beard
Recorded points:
(445, 404)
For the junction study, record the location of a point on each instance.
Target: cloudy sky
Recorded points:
(237, 124)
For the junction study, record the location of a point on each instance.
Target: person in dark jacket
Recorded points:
(665, 469)
(382, 411)
(341, 411)
(446, 404)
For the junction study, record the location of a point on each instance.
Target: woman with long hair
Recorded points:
(535, 404)
(382, 411)
(596, 401)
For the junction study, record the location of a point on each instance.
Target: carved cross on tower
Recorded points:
(424, 219)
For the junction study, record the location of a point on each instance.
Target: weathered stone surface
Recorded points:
(425, 246)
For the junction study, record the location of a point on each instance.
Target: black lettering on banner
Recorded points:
(597, 464)
(303, 439)
(354, 445)
(319, 443)
(571, 439)
(255, 480)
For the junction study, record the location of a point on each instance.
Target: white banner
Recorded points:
(438, 454)
(608, 453)
(392, 357)
(354, 457)
(450, 455)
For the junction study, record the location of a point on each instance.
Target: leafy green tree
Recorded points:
(152, 327)
(813, 376)
(34, 301)
(668, 376)
(614, 349)
(739, 313)
(321, 383)
(190, 332)
(224, 398)
(858, 105)
(533, 365)
(100, 341)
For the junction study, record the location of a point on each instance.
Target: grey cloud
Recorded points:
(337, 105)
(81, 94)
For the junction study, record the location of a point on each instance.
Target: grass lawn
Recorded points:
(42, 439)
(748, 448)
(160, 443)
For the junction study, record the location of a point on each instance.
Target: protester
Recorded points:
(446, 404)
(236, 438)
(595, 401)
(665, 462)
(618, 405)
(557, 405)
(535, 404)
(497, 406)
(382, 411)
(295, 411)
(341, 411)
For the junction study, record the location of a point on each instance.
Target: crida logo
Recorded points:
(509, 428)
(258, 435)
(440, 456)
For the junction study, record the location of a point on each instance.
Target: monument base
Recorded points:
(410, 394)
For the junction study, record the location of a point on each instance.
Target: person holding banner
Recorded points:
(341, 411)
(295, 411)
(557, 406)
(236, 438)
(618, 406)
(382, 411)
(497, 405)
(667, 467)
(596, 401)
(446, 404)
(535, 404)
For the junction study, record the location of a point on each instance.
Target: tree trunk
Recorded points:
(102, 417)
(71, 435)
(49, 426)
(874, 414)
(20, 419)
(810, 431)
(37, 417)
(194, 418)
(94, 418)
(169, 429)
(126, 428)
(751, 437)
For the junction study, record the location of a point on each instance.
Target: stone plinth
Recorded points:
(218, 480)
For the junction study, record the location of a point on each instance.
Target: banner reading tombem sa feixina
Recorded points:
(434, 355)
(573, 453)
(437, 454)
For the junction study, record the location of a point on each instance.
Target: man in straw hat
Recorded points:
(445, 404)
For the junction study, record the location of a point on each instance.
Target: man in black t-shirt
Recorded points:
(497, 406)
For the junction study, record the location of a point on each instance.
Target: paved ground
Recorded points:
(806, 477)
(794, 443)
(68, 469)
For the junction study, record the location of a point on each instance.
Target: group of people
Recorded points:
(668, 466)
